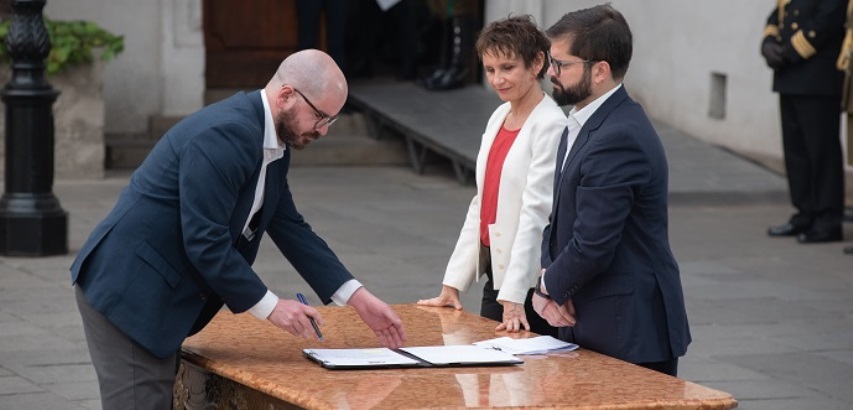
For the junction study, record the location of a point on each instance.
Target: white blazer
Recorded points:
(524, 203)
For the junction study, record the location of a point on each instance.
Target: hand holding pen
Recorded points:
(313, 323)
(291, 316)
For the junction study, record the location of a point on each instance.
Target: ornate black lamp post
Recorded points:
(32, 222)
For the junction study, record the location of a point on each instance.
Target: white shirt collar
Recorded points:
(272, 149)
(585, 113)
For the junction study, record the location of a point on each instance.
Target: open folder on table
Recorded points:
(426, 356)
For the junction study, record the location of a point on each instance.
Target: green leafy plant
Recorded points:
(72, 42)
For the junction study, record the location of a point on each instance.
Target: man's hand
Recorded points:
(556, 315)
(449, 297)
(774, 53)
(514, 318)
(567, 311)
(292, 316)
(379, 317)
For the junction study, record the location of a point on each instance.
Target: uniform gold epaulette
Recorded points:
(802, 45)
(780, 10)
(771, 30)
(843, 62)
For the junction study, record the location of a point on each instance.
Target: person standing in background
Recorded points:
(515, 171)
(801, 43)
(459, 27)
(308, 22)
(383, 33)
(844, 64)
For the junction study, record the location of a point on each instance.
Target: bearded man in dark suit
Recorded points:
(609, 279)
(181, 240)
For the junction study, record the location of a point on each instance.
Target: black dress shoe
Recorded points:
(848, 250)
(450, 79)
(787, 229)
(816, 236)
(427, 81)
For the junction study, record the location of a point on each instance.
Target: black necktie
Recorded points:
(561, 154)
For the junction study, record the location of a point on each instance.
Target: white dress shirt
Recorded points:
(577, 118)
(272, 152)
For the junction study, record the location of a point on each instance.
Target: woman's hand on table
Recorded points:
(514, 317)
(449, 297)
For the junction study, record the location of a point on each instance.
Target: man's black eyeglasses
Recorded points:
(558, 65)
(325, 120)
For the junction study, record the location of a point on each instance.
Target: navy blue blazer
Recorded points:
(171, 251)
(606, 247)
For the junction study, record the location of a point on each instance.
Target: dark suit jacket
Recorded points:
(607, 248)
(811, 32)
(165, 258)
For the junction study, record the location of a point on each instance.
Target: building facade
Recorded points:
(696, 65)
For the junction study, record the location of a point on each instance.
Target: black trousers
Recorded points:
(492, 309)
(669, 367)
(308, 13)
(813, 159)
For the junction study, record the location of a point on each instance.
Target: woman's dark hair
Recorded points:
(515, 36)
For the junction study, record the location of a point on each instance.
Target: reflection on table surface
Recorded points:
(268, 360)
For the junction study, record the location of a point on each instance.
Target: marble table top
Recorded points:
(258, 355)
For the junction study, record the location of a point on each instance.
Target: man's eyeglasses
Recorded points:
(325, 120)
(558, 65)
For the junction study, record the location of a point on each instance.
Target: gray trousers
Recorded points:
(128, 375)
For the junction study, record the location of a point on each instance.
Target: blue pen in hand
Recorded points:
(313, 323)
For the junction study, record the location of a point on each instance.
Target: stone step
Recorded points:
(126, 152)
(347, 144)
(159, 124)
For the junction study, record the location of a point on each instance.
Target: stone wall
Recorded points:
(162, 65)
(78, 122)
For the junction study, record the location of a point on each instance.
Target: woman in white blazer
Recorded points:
(502, 233)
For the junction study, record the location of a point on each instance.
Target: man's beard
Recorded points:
(573, 94)
(284, 124)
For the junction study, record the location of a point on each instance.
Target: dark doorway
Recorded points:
(246, 41)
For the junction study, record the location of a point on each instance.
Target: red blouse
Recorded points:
(491, 181)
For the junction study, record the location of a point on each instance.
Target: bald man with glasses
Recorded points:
(180, 242)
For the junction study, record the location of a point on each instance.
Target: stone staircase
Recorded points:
(348, 143)
(127, 151)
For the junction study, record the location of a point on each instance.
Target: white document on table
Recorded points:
(378, 357)
(461, 355)
(428, 356)
(531, 345)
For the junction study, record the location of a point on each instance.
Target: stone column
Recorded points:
(32, 222)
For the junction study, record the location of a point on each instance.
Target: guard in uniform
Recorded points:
(801, 44)
(846, 66)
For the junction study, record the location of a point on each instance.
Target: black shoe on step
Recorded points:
(821, 236)
(786, 229)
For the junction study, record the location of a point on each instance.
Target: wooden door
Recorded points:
(245, 41)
